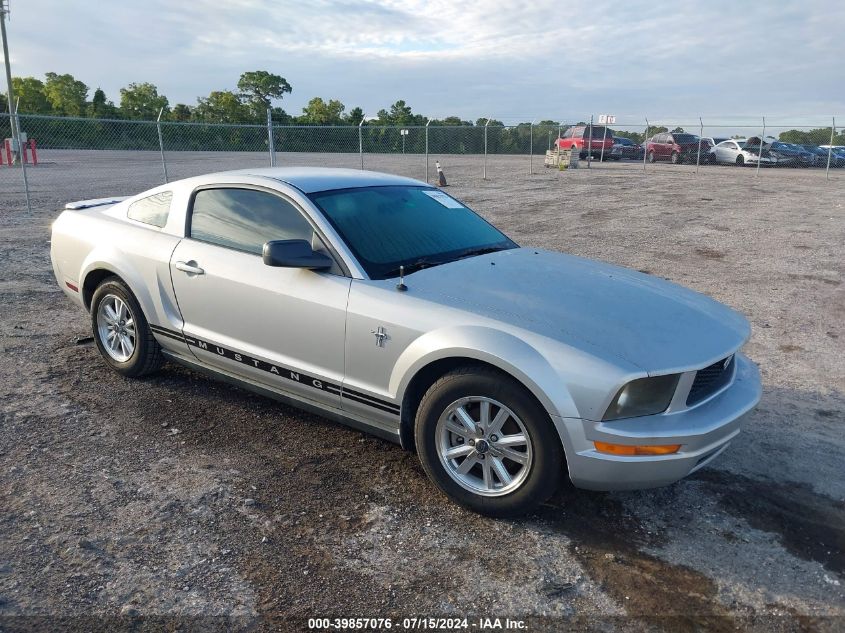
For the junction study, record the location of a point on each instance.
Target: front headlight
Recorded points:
(644, 396)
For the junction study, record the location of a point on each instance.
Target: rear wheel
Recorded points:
(676, 158)
(121, 332)
(487, 443)
(651, 157)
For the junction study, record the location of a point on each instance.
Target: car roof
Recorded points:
(314, 179)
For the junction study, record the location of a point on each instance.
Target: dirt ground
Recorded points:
(177, 502)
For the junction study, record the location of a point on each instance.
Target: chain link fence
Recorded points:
(94, 157)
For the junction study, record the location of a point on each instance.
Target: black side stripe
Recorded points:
(365, 399)
(279, 370)
(384, 406)
(168, 333)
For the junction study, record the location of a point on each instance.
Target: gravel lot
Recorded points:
(195, 504)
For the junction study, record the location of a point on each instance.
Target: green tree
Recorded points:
(318, 112)
(141, 101)
(280, 117)
(66, 94)
(4, 103)
(100, 107)
(181, 112)
(451, 121)
(355, 116)
(29, 92)
(222, 106)
(493, 122)
(678, 130)
(259, 87)
(817, 136)
(400, 113)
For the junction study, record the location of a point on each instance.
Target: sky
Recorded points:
(510, 60)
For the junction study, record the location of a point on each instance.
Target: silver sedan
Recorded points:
(387, 304)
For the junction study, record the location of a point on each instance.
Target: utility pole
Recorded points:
(10, 91)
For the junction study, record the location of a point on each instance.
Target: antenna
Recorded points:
(401, 287)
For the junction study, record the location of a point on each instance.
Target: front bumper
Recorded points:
(703, 431)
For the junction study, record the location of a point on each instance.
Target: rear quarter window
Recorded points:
(152, 210)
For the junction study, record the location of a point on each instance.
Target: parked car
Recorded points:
(821, 155)
(734, 151)
(715, 140)
(789, 155)
(385, 303)
(626, 148)
(677, 148)
(579, 137)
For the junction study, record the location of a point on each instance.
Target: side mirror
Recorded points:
(294, 254)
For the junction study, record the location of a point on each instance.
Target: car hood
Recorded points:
(602, 309)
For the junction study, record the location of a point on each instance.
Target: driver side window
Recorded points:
(243, 219)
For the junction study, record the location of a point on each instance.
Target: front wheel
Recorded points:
(676, 158)
(487, 443)
(651, 157)
(740, 161)
(121, 332)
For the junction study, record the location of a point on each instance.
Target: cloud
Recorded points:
(472, 58)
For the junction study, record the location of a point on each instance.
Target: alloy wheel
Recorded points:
(116, 328)
(484, 446)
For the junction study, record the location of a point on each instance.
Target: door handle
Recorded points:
(189, 267)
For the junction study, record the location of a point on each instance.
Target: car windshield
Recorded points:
(414, 227)
(685, 138)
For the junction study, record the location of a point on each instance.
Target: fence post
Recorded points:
(590, 144)
(603, 141)
(700, 134)
(427, 123)
(830, 147)
(161, 144)
(271, 144)
(645, 143)
(760, 155)
(361, 142)
(17, 124)
(531, 147)
(485, 148)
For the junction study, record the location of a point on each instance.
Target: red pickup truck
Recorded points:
(579, 137)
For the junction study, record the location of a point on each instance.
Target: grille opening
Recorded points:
(710, 380)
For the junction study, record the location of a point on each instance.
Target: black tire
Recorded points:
(542, 476)
(651, 157)
(146, 356)
(740, 161)
(711, 158)
(676, 158)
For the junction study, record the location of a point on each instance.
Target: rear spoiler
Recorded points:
(94, 202)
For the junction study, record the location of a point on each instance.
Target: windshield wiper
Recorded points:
(472, 252)
(413, 267)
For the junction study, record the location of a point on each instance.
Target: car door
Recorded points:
(659, 147)
(280, 327)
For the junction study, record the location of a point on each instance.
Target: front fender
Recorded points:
(495, 347)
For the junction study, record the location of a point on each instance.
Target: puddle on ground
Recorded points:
(809, 525)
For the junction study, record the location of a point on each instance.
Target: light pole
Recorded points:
(10, 91)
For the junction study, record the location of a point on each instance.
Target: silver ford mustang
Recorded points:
(385, 303)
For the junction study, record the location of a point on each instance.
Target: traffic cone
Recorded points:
(441, 177)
